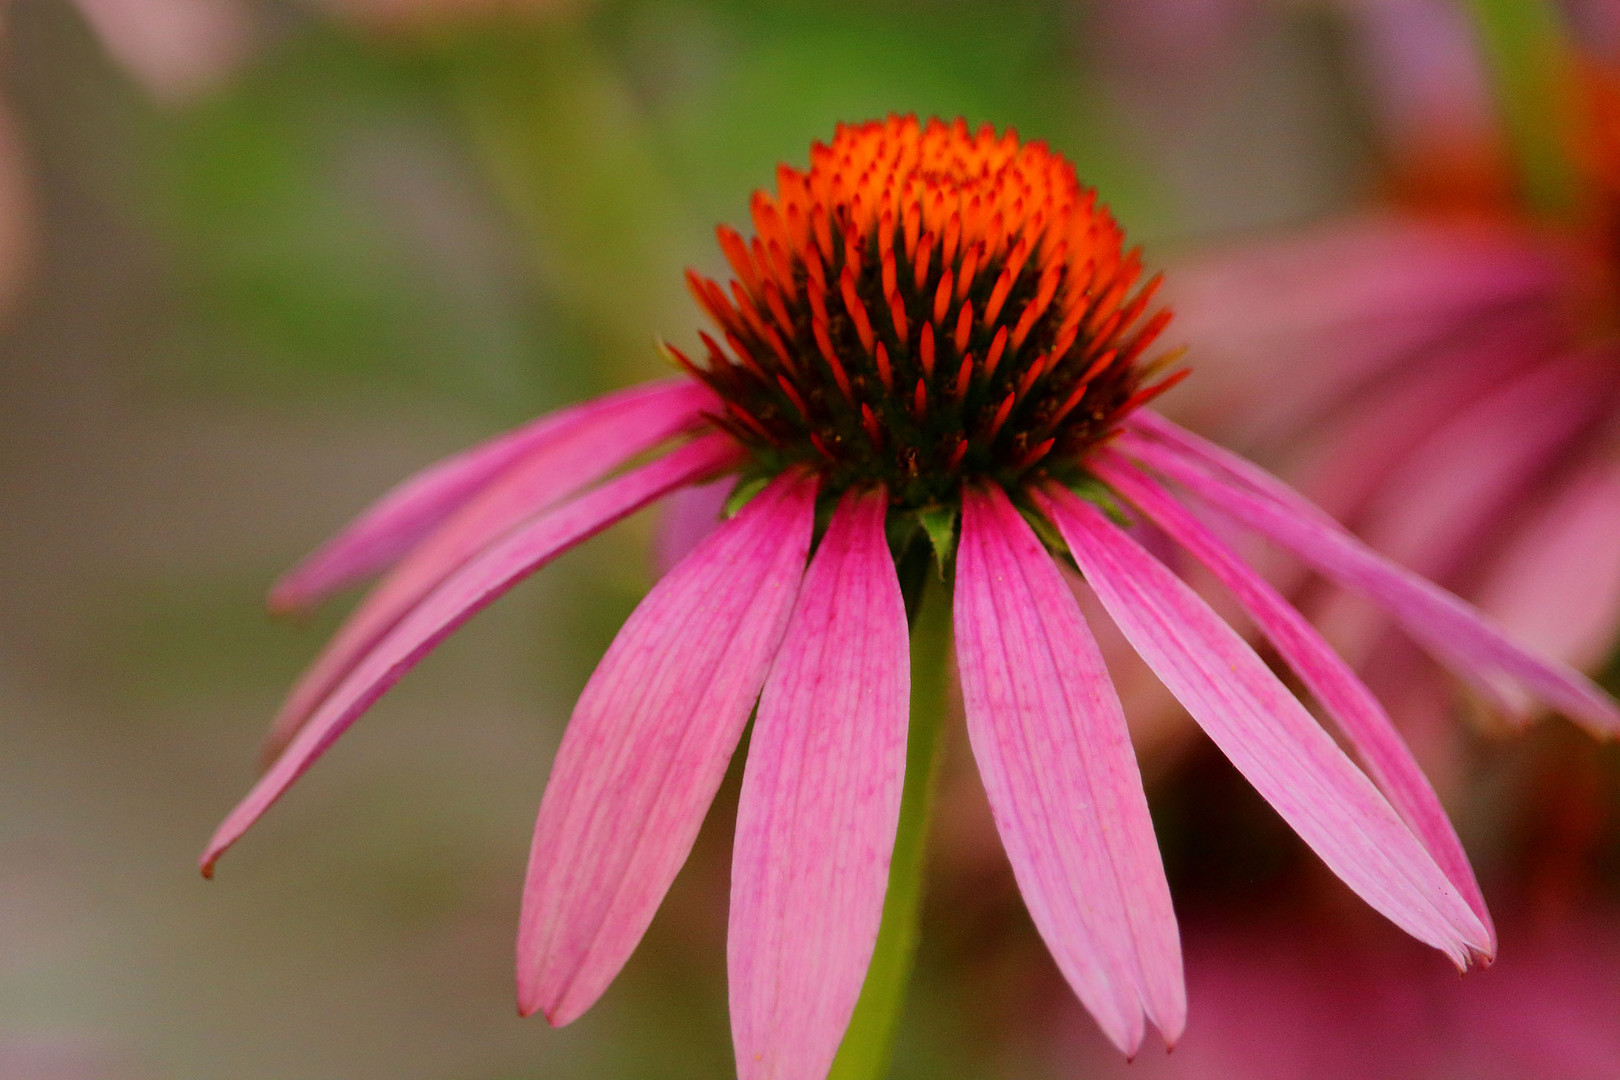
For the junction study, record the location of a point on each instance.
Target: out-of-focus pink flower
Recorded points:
(935, 340)
(1280, 1000)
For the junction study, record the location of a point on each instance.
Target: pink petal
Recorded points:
(1050, 740)
(1558, 585)
(1469, 643)
(456, 600)
(686, 518)
(1364, 722)
(1267, 734)
(648, 745)
(581, 446)
(402, 517)
(820, 803)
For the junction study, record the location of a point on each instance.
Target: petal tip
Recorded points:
(531, 1000)
(1172, 1029)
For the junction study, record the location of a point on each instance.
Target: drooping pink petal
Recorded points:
(647, 747)
(402, 517)
(1465, 640)
(1364, 722)
(579, 449)
(1558, 586)
(1051, 744)
(457, 599)
(819, 806)
(1267, 734)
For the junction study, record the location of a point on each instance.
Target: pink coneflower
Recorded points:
(935, 343)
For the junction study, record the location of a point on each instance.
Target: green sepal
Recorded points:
(743, 494)
(1045, 530)
(939, 522)
(1101, 496)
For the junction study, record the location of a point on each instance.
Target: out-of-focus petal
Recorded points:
(1457, 487)
(456, 600)
(579, 450)
(1347, 458)
(1459, 478)
(1364, 722)
(647, 747)
(686, 517)
(1465, 640)
(1426, 74)
(1052, 747)
(819, 806)
(1268, 734)
(176, 49)
(1367, 292)
(1558, 586)
(401, 518)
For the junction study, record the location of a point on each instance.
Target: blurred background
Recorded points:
(259, 259)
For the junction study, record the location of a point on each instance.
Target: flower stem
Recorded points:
(1525, 47)
(869, 1042)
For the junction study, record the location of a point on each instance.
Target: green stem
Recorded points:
(869, 1042)
(1525, 47)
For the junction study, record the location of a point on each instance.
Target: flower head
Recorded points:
(933, 341)
(922, 306)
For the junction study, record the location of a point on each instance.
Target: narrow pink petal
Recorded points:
(580, 448)
(457, 599)
(1469, 643)
(395, 522)
(648, 745)
(1558, 585)
(1050, 740)
(819, 806)
(1267, 734)
(1364, 722)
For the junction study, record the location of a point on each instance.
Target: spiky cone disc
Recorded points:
(924, 306)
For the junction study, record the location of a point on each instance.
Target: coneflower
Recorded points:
(936, 347)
